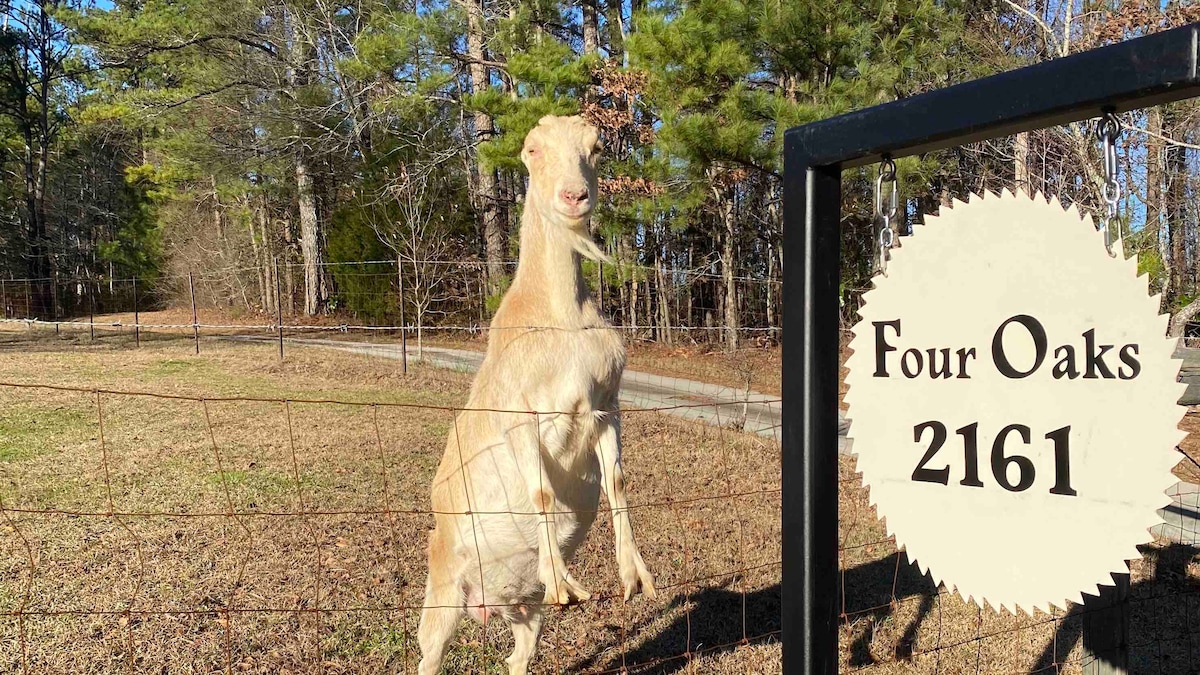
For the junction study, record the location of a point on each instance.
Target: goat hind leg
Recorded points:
(525, 635)
(443, 607)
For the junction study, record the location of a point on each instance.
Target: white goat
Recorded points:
(516, 492)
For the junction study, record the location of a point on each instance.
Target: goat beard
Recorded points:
(579, 237)
(583, 244)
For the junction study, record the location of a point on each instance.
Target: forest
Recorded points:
(361, 155)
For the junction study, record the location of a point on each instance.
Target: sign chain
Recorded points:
(885, 212)
(1108, 130)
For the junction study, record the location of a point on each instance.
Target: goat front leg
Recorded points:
(634, 576)
(561, 587)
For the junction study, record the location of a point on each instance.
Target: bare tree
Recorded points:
(421, 239)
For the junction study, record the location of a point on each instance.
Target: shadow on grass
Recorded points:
(1161, 626)
(1151, 628)
(721, 618)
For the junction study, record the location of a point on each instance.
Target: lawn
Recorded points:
(278, 526)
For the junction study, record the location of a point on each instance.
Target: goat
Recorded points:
(516, 492)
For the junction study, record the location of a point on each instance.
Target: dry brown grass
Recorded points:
(193, 576)
(206, 590)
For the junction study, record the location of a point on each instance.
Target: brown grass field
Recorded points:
(197, 536)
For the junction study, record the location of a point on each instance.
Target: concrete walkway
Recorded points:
(753, 412)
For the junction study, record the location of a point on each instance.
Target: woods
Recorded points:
(230, 139)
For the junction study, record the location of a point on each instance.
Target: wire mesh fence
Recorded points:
(411, 298)
(259, 534)
(190, 532)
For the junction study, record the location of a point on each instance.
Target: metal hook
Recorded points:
(887, 237)
(1108, 130)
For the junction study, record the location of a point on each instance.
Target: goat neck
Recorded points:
(549, 261)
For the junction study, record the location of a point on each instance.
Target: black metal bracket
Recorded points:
(1139, 73)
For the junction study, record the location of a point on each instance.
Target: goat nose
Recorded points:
(574, 196)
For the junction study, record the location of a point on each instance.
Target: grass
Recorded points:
(28, 431)
(209, 590)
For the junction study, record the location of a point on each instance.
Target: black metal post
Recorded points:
(137, 323)
(278, 310)
(403, 328)
(91, 309)
(195, 321)
(812, 210)
(1152, 70)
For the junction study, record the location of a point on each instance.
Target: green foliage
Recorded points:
(366, 290)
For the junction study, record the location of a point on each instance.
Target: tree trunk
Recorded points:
(771, 289)
(616, 28)
(256, 248)
(312, 250)
(310, 240)
(1176, 208)
(1154, 179)
(487, 197)
(728, 269)
(1023, 177)
(591, 27)
(630, 254)
(687, 289)
(1183, 317)
(664, 300)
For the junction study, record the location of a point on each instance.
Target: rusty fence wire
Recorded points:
(176, 533)
(662, 305)
(158, 532)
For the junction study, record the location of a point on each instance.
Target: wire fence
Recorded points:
(260, 534)
(146, 531)
(411, 296)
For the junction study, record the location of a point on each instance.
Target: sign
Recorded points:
(1012, 400)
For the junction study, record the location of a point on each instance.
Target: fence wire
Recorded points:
(269, 534)
(656, 304)
(894, 619)
(168, 531)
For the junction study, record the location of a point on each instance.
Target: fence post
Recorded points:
(28, 302)
(1106, 630)
(137, 323)
(54, 299)
(91, 309)
(278, 310)
(403, 331)
(195, 321)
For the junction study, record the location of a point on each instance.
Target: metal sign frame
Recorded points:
(1139, 73)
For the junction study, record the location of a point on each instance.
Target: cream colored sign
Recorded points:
(1012, 400)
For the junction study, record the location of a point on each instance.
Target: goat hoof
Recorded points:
(566, 592)
(636, 579)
